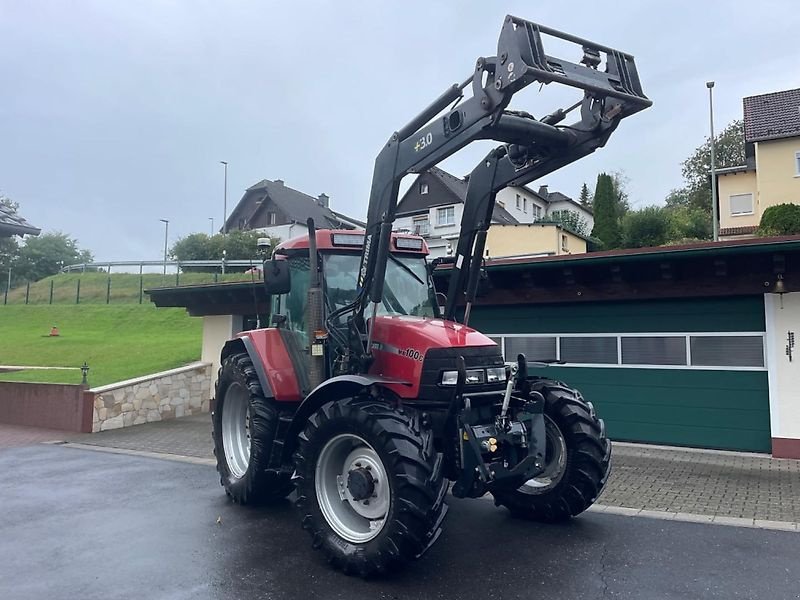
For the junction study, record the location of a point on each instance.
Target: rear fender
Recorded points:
(245, 345)
(336, 388)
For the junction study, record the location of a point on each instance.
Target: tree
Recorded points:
(687, 224)
(586, 197)
(781, 219)
(606, 212)
(238, 245)
(646, 227)
(45, 254)
(729, 152)
(571, 220)
(9, 247)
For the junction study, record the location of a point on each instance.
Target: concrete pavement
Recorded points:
(91, 525)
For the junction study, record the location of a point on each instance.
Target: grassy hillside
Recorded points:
(94, 287)
(117, 341)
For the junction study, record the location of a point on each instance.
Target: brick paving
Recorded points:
(644, 478)
(187, 436)
(18, 435)
(707, 483)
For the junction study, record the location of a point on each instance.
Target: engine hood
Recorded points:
(400, 344)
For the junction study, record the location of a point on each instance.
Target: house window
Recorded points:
(524, 205)
(519, 202)
(741, 204)
(271, 218)
(564, 242)
(421, 226)
(537, 211)
(423, 188)
(446, 215)
(797, 163)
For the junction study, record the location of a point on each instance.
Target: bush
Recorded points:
(646, 227)
(781, 219)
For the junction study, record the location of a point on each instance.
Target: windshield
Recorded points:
(405, 290)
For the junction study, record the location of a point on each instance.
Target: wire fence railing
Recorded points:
(94, 284)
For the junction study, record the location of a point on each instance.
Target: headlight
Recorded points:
(495, 374)
(474, 376)
(450, 378)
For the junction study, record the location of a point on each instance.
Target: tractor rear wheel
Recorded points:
(370, 486)
(577, 460)
(245, 424)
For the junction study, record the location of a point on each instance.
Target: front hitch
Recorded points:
(504, 454)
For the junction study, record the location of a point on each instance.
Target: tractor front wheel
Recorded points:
(577, 460)
(370, 487)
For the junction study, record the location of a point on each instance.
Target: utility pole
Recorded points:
(714, 209)
(225, 200)
(166, 234)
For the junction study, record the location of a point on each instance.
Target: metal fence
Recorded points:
(95, 283)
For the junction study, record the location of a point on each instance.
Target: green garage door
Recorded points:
(680, 372)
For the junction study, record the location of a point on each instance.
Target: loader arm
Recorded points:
(531, 147)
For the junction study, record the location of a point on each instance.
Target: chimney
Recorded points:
(323, 200)
(543, 191)
(279, 181)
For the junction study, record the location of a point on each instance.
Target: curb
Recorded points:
(695, 518)
(194, 460)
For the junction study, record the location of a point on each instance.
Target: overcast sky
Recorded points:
(115, 114)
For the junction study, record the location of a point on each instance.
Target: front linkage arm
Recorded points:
(531, 147)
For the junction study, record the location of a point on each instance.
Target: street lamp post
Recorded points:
(225, 200)
(166, 234)
(212, 224)
(714, 209)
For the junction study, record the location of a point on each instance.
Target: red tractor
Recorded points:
(366, 397)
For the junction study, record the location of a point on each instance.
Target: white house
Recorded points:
(433, 205)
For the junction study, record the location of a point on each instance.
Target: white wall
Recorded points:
(508, 196)
(217, 329)
(285, 232)
(784, 375)
(585, 214)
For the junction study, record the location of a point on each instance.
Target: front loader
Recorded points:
(364, 396)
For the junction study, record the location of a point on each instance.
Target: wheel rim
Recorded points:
(555, 461)
(346, 464)
(236, 429)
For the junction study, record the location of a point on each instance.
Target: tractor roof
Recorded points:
(352, 239)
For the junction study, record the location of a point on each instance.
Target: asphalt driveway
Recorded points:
(84, 524)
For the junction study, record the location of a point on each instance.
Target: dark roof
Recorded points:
(502, 216)
(12, 224)
(551, 197)
(772, 116)
(296, 205)
(457, 185)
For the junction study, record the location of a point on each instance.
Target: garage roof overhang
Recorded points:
(235, 298)
(729, 268)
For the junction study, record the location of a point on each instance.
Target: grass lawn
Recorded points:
(117, 341)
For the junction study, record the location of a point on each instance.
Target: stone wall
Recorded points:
(167, 395)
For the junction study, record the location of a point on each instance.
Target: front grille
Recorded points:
(438, 360)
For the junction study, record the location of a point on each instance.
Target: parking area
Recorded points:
(738, 486)
(126, 526)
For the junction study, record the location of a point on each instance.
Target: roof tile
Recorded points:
(772, 116)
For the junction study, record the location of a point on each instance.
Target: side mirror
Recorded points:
(276, 277)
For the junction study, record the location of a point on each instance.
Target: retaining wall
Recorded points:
(52, 405)
(167, 395)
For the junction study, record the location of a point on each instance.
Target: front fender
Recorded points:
(335, 388)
